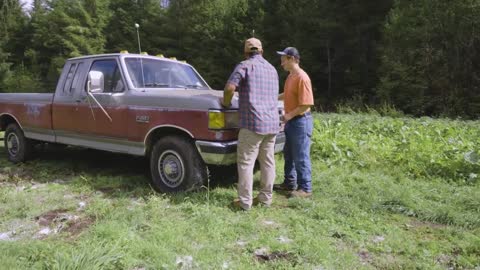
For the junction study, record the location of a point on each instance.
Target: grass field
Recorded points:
(389, 193)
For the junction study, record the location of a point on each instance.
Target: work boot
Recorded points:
(257, 202)
(282, 187)
(237, 205)
(300, 194)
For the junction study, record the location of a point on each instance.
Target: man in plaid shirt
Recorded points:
(257, 83)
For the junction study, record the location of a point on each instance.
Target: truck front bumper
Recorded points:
(225, 153)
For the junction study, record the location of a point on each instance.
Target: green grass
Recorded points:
(389, 193)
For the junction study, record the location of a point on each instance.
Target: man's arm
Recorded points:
(228, 94)
(235, 79)
(299, 110)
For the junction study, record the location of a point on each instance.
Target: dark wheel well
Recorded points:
(159, 133)
(6, 120)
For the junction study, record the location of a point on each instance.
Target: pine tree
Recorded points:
(12, 39)
(64, 29)
(121, 32)
(431, 58)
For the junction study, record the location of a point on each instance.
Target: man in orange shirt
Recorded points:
(298, 98)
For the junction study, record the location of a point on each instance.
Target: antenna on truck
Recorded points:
(140, 52)
(138, 38)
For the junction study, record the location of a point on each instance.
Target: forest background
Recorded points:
(416, 57)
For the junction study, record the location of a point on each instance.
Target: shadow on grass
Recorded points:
(114, 175)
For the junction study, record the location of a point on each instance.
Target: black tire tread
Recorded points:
(26, 145)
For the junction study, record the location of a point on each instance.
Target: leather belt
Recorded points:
(301, 115)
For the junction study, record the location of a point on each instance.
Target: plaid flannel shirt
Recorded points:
(257, 83)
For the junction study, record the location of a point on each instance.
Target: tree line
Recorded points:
(421, 57)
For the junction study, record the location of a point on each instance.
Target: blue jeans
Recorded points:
(298, 167)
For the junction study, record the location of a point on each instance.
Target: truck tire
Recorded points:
(18, 147)
(176, 166)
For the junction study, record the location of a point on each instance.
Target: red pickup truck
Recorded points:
(134, 104)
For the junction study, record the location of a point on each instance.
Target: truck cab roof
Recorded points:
(123, 55)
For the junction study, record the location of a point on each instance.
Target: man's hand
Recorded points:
(222, 102)
(297, 111)
(286, 117)
(227, 95)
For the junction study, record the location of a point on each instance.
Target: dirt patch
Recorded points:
(445, 260)
(78, 226)
(423, 224)
(365, 257)
(108, 190)
(113, 190)
(50, 217)
(338, 235)
(61, 221)
(16, 174)
(275, 256)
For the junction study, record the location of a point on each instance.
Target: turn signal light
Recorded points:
(218, 119)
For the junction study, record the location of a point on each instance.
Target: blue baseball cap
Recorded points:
(290, 51)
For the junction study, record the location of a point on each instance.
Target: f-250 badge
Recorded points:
(143, 118)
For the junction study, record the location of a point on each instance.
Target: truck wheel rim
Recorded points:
(171, 168)
(12, 144)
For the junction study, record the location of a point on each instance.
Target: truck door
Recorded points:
(109, 125)
(64, 108)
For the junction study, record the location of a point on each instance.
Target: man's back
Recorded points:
(257, 82)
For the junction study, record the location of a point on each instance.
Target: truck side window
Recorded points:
(111, 75)
(76, 77)
(69, 79)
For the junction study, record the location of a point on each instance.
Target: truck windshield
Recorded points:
(152, 73)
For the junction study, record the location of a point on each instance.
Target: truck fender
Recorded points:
(157, 132)
(6, 119)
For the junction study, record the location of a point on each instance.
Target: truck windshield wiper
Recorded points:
(196, 86)
(156, 85)
(173, 85)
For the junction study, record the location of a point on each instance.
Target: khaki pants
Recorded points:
(251, 146)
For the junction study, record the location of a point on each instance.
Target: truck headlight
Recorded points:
(219, 119)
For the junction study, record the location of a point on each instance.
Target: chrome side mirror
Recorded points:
(95, 82)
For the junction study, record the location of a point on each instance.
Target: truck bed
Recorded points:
(32, 110)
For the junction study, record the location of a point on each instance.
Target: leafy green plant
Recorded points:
(423, 148)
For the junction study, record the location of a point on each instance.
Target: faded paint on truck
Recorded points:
(136, 113)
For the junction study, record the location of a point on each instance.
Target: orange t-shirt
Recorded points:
(297, 91)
